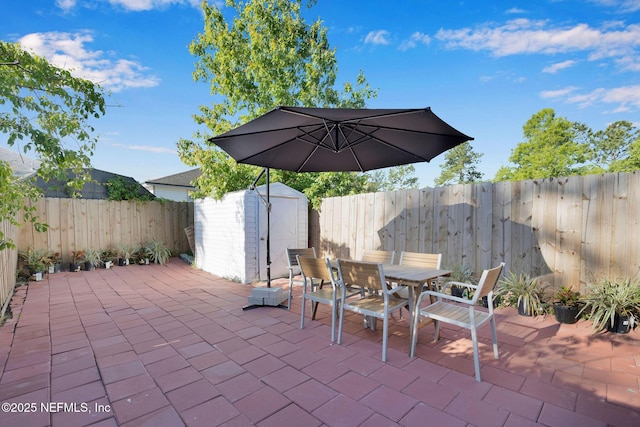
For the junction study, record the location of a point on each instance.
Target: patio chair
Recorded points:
(378, 304)
(292, 255)
(464, 314)
(320, 271)
(417, 259)
(377, 256)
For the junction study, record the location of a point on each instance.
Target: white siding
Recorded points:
(178, 194)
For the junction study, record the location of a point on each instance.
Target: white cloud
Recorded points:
(68, 51)
(524, 36)
(66, 4)
(554, 68)
(377, 37)
(152, 149)
(140, 5)
(621, 5)
(626, 98)
(557, 93)
(413, 41)
(137, 5)
(148, 148)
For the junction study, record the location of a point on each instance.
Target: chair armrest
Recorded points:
(442, 296)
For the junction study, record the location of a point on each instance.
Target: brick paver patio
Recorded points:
(171, 346)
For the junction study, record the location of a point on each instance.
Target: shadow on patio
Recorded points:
(171, 345)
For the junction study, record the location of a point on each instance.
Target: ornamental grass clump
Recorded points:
(607, 298)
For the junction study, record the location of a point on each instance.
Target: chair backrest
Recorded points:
(315, 268)
(381, 257)
(487, 282)
(367, 275)
(304, 252)
(417, 259)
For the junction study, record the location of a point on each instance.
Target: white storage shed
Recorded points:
(230, 234)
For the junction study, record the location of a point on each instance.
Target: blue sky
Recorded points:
(483, 67)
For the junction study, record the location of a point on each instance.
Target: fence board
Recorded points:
(425, 219)
(483, 212)
(412, 208)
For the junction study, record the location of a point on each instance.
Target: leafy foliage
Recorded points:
(120, 188)
(396, 178)
(460, 166)
(605, 298)
(567, 296)
(521, 288)
(47, 110)
(554, 146)
(617, 148)
(266, 57)
(157, 252)
(36, 259)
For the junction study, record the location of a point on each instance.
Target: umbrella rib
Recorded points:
(365, 136)
(350, 147)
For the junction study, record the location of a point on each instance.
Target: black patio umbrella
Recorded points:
(337, 140)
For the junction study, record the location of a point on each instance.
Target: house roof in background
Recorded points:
(182, 179)
(96, 189)
(21, 165)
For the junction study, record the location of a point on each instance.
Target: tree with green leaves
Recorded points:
(616, 149)
(554, 147)
(460, 166)
(394, 178)
(46, 110)
(267, 57)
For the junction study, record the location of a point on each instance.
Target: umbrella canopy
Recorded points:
(339, 139)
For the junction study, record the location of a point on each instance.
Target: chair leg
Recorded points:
(495, 338)
(436, 337)
(476, 359)
(385, 333)
(315, 310)
(290, 292)
(304, 303)
(340, 322)
(333, 322)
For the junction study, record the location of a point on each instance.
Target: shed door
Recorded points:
(284, 234)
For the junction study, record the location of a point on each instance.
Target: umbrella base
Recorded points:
(266, 297)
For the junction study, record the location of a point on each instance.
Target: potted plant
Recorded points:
(124, 254)
(566, 305)
(107, 256)
(157, 252)
(91, 259)
(463, 274)
(76, 260)
(140, 256)
(54, 262)
(522, 291)
(36, 260)
(613, 304)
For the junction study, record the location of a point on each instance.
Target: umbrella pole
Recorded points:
(268, 232)
(261, 297)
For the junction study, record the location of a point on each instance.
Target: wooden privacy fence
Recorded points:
(8, 262)
(79, 224)
(563, 230)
